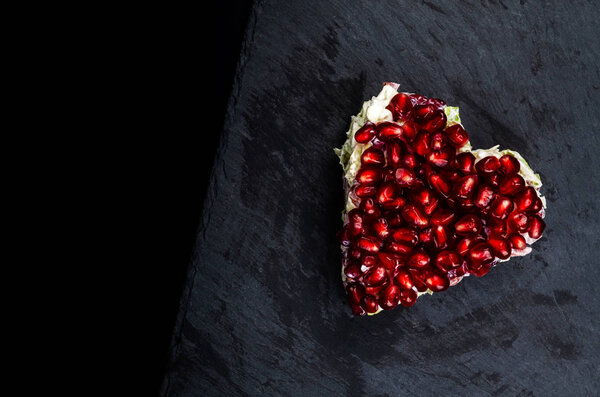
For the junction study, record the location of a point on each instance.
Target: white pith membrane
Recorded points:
(374, 110)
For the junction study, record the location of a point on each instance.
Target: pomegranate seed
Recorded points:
(398, 248)
(481, 270)
(375, 277)
(368, 176)
(388, 174)
(466, 205)
(394, 153)
(497, 227)
(487, 165)
(464, 186)
(440, 237)
(387, 260)
(388, 131)
(369, 303)
(413, 215)
(501, 207)
(343, 237)
(423, 100)
(355, 292)
(386, 192)
(410, 130)
(437, 282)
(422, 143)
(367, 261)
(408, 297)
(484, 196)
(409, 160)
(404, 279)
(457, 136)
(426, 235)
(438, 141)
(493, 179)
(352, 271)
(367, 244)
(479, 254)
(390, 297)
(422, 112)
(355, 253)
(355, 222)
(451, 175)
(537, 206)
(373, 157)
(441, 158)
(463, 245)
(394, 218)
(536, 227)
(468, 224)
(369, 208)
(511, 185)
(442, 216)
(500, 247)
(435, 122)
(364, 190)
(365, 133)
(418, 276)
(439, 184)
(509, 165)
(464, 162)
(381, 228)
(519, 221)
(406, 235)
(525, 199)
(517, 242)
(405, 177)
(418, 259)
(400, 106)
(394, 204)
(447, 260)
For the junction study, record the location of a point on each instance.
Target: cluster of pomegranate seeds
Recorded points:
(426, 214)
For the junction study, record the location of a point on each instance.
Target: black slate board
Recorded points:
(263, 310)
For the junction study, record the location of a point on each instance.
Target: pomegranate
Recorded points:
(423, 209)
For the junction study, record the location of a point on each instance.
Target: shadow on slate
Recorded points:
(264, 312)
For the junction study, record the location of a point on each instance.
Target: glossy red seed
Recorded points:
(343, 237)
(496, 227)
(418, 99)
(438, 140)
(509, 165)
(398, 248)
(388, 174)
(426, 236)
(440, 237)
(373, 157)
(435, 122)
(394, 218)
(367, 244)
(457, 136)
(409, 130)
(439, 184)
(479, 254)
(462, 247)
(517, 242)
(408, 297)
(400, 106)
(355, 292)
(405, 177)
(409, 160)
(355, 222)
(394, 204)
(381, 228)
(355, 253)
(511, 185)
(406, 235)
(352, 271)
(388, 131)
(465, 205)
(375, 277)
(365, 133)
(441, 158)
(367, 261)
(387, 260)
(365, 190)
(369, 208)
(468, 224)
(501, 207)
(447, 260)
(537, 206)
(390, 297)
(418, 275)
(415, 216)
(370, 304)
(422, 112)
(481, 270)
(418, 259)
(487, 165)
(463, 188)
(368, 176)
(464, 162)
(422, 143)
(483, 196)
(493, 179)
(525, 199)
(500, 246)
(443, 216)
(357, 310)
(519, 221)
(536, 228)
(404, 280)
(387, 192)
(437, 281)
(394, 153)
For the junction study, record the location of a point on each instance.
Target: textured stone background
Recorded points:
(263, 311)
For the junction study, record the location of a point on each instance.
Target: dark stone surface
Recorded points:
(264, 312)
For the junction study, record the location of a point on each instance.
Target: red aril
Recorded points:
(517, 242)
(394, 204)
(408, 297)
(437, 281)
(388, 131)
(355, 222)
(410, 130)
(463, 188)
(438, 140)
(500, 246)
(352, 271)
(536, 227)
(422, 112)
(398, 248)
(422, 143)
(497, 227)
(439, 184)
(511, 185)
(375, 277)
(519, 221)
(390, 297)
(493, 179)
(400, 106)
(394, 153)
(404, 280)
(434, 122)
(365, 190)
(365, 133)
(440, 237)
(394, 218)
(441, 158)
(509, 165)
(367, 244)
(370, 304)
(525, 199)
(355, 292)
(414, 216)
(406, 235)
(405, 177)
(387, 260)
(418, 259)
(462, 247)
(479, 254)
(447, 260)
(368, 176)
(426, 236)
(387, 192)
(468, 224)
(367, 261)
(381, 228)
(537, 206)
(409, 160)
(373, 157)
(464, 162)
(457, 136)
(483, 196)
(501, 207)
(369, 208)
(487, 165)
(443, 216)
